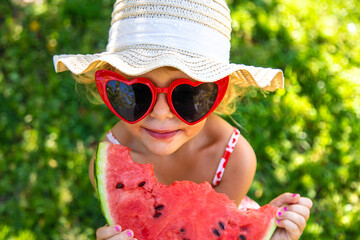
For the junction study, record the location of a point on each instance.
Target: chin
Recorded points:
(162, 152)
(163, 149)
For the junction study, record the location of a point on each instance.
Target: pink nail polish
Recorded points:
(285, 208)
(129, 233)
(117, 228)
(279, 213)
(278, 221)
(294, 195)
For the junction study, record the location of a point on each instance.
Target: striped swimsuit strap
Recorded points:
(225, 158)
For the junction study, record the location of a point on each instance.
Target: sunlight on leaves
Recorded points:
(30, 143)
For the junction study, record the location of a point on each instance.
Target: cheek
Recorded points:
(133, 129)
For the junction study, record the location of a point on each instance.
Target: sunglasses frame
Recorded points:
(104, 76)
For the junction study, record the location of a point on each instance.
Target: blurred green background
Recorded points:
(306, 137)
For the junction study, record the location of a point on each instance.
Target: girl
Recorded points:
(165, 71)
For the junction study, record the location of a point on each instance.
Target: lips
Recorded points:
(162, 134)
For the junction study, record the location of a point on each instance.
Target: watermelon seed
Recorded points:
(119, 185)
(216, 232)
(242, 237)
(157, 215)
(142, 184)
(182, 230)
(222, 226)
(159, 207)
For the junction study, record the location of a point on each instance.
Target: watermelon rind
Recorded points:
(271, 229)
(100, 180)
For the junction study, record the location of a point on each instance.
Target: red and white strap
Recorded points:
(111, 138)
(224, 160)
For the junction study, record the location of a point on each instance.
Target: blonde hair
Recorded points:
(233, 95)
(86, 83)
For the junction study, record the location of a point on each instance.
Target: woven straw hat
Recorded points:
(190, 35)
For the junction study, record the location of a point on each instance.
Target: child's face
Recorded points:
(162, 132)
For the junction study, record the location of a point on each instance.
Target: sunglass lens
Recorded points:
(130, 101)
(193, 103)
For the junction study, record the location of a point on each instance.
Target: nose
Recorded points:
(161, 109)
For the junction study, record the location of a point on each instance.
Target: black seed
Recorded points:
(216, 232)
(222, 226)
(159, 207)
(142, 184)
(182, 230)
(119, 185)
(157, 215)
(242, 237)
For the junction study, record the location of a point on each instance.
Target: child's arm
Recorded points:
(292, 217)
(238, 176)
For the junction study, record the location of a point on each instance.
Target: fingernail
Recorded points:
(129, 233)
(285, 208)
(279, 213)
(278, 221)
(294, 195)
(117, 228)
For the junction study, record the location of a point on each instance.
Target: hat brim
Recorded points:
(137, 61)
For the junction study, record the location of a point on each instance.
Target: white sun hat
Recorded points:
(190, 35)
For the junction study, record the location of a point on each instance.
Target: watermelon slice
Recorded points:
(131, 196)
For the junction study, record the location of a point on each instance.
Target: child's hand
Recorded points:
(114, 232)
(292, 217)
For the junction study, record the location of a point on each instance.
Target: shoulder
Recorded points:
(239, 172)
(242, 161)
(243, 152)
(243, 156)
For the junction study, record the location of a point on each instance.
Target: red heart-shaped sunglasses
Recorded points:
(132, 100)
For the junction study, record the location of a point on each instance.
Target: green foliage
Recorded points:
(306, 137)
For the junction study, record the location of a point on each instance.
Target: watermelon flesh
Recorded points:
(131, 196)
